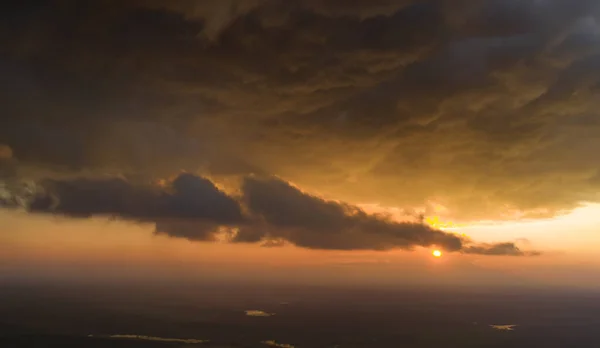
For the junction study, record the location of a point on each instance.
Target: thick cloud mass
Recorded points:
(487, 107)
(312, 222)
(192, 207)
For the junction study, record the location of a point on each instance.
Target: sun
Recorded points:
(436, 253)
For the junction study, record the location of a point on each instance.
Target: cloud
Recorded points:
(505, 249)
(309, 221)
(487, 107)
(267, 211)
(190, 207)
(216, 15)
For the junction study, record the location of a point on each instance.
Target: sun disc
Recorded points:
(437, 253)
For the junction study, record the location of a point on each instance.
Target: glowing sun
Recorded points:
(436, 253)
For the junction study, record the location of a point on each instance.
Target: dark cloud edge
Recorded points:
(269, 211)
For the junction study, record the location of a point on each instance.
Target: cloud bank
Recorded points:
(270, 211)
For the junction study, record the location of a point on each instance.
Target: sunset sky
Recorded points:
(343, 140)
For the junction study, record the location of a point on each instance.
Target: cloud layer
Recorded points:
(270, 211)
(489, 108)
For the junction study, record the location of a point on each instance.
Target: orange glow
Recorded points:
(45, 244)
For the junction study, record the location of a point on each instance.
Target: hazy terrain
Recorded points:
(42, 314)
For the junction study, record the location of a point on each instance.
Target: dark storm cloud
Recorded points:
(309, 221)
(190, 207)
(486, 107)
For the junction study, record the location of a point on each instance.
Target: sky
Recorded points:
(303, 134)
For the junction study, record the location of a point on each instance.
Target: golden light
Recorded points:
(436, 253)
(436, 222)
